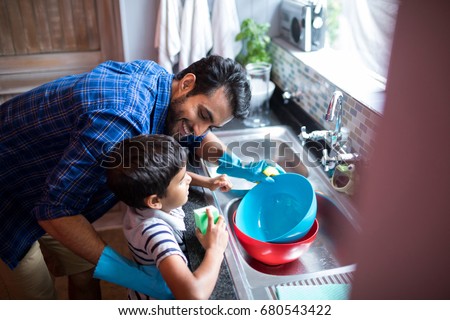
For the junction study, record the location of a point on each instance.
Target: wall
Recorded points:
(139, 18)
(261, 11)
(288, 72)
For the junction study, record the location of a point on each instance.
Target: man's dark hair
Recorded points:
(142, 166)
(214, 72)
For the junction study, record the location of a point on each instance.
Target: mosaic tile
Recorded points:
(288, 70)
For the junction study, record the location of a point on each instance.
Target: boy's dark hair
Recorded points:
(214, 72)
(142, 166)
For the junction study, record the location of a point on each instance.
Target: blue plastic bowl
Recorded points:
(280, 212)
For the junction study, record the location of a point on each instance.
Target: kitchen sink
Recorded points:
(326, 259)
(326, 252)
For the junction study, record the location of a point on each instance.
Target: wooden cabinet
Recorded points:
(41, 40)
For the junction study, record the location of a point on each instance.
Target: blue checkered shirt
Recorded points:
(53, 139)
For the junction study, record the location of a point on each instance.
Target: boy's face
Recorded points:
(177, 192)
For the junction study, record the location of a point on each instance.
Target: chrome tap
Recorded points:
(340, 156)
(334, 111)
(295, 95)
(314, 135)
(337, 139)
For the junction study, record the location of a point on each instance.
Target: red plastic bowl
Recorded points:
(276, 253)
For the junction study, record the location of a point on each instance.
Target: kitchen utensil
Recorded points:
(275, 253)
(281, 211)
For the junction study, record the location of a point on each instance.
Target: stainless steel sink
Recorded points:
(326, 258)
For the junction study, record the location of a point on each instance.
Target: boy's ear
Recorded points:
(153, 202)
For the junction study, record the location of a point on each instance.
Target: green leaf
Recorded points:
(255, 41)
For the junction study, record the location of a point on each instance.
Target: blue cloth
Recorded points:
(231, 165)
(314, 292)
(54, 138)
(147, 279)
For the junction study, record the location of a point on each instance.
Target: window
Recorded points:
(363, 30)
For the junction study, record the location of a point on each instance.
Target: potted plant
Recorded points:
(255, 40)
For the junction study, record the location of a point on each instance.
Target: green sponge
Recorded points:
(201, 219)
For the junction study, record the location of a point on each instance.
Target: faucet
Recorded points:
(295, 95)
(337, 139)
(334, 111)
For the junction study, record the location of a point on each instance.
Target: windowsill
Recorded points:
(341, 72)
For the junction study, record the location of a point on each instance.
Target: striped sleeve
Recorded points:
(158, 241)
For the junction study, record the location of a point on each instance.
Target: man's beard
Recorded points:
(173, 117)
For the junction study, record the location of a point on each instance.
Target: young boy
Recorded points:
(148, 173)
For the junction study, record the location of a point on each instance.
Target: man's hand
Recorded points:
(257, 171)
(114, 268)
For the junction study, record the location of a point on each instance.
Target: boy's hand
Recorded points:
(221, 182)
(216, 236)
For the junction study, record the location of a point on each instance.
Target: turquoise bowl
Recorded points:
(282, 211)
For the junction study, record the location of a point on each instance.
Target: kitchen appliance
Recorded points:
(303, 23)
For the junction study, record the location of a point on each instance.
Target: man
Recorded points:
(53, 140)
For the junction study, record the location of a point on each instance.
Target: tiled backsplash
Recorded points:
(290, 73)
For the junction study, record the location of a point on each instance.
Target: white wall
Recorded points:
(260, 11)
(139, 19)
(138, 28)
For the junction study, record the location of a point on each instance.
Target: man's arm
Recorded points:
(74, 180)
(77, 234)
(211, 148)
(215, 151)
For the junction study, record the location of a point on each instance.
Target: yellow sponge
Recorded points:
(270, 171)
(201, 219)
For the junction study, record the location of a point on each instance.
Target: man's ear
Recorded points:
(187, 83)
(153, 201)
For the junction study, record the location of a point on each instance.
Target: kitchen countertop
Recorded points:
(224, 289)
